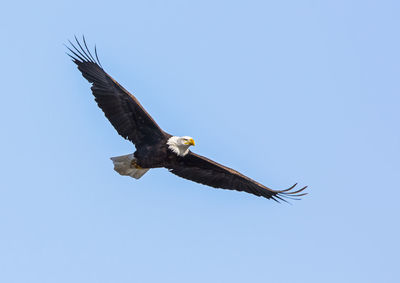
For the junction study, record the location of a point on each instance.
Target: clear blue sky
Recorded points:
(283, 91)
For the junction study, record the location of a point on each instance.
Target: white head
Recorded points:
(180, 145)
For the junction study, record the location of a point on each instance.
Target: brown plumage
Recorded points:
(154, 147)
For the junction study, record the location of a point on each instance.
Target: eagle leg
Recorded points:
(135, 165)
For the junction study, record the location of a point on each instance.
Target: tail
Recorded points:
(124, 166)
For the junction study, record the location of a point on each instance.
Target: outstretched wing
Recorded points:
(202, 170)
(120, 107)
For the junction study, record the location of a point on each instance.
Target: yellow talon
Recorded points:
(135, 165)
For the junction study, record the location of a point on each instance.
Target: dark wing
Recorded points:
(121, 108)
(202, 170)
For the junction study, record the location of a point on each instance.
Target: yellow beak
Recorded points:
(190, 142)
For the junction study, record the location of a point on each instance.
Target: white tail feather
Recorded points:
(123, 165)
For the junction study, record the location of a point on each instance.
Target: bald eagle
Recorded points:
(154, 147)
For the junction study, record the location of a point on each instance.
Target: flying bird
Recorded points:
(154, 147)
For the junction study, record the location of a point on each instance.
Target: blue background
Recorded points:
(283, 91)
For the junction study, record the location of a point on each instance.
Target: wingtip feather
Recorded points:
(80, 52)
